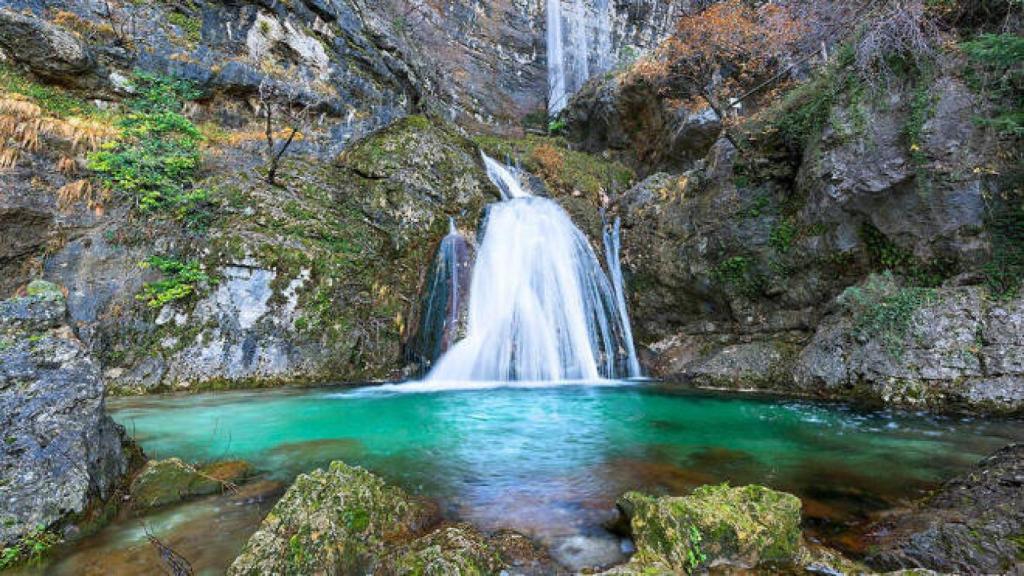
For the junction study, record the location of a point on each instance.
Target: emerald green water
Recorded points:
(551, 461)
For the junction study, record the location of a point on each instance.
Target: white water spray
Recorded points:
(541, 308)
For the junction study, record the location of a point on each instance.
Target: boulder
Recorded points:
(46, 49)
(458, 550)
(745, 526)
(60, 449)
(972, 525)
(168, 481)
(338, 521)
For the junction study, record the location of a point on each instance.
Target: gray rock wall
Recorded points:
(60, 449)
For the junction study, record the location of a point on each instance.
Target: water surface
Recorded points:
(550, 461)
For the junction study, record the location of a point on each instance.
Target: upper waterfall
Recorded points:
(579, 46)
(540, 306)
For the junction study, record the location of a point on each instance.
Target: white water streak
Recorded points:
(540, 308)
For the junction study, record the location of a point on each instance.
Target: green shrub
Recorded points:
(156, 156)
(997, 73)
(181, 281)
(29, 549)
(782, 236)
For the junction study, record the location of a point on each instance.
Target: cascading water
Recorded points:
(579, 46)
(540, 308)
(444, 308)
(612, 249)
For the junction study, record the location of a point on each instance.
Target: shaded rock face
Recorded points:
(734, 259)
(321, 52)
(48, 50)
(485, 63)
(744, 527)
(972, 525)
(627, 118)
(60, 450)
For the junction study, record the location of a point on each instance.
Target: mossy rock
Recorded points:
(744, 526)
(335, 521)
(45, 290)
(167, 481)
(458, 550)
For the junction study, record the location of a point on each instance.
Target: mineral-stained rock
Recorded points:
(335, 521)
(972, 525)
(167, 481)
(743, 526)
(60, 450)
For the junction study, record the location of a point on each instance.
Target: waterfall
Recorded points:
(556, 59)
(579, 46)
(540, 306)
(612, 249)
(444, 309)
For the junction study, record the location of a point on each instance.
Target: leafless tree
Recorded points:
(290, 107)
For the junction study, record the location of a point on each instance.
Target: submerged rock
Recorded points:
(972, 525)
(744, 526)
(60, 449)
(167, 481)
(335, 521)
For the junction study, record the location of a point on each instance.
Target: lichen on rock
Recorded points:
(335, 521)
(743, 526)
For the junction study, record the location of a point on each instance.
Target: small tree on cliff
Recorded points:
(291, 108)
(715, 57)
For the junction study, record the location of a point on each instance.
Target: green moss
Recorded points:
(29, 550)
(191, 27)
(52, 100)
(884, 311)
(182, 280)
(886, 255)
(563, 171)
(750, 524)
(738, 274)
(783, 235)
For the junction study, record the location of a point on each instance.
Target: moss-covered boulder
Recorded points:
(335, 521)
(458, 550)
(717, 524)
(167, 481)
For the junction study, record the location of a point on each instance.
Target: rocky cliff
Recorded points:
(62, 454)
(749, 250)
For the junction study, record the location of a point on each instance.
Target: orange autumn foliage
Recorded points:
(718, 54)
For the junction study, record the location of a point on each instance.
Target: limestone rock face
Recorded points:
(957, 349)
(60, 450)
(972, 525)
(744, 526)
(334, 521)
(48, 50)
